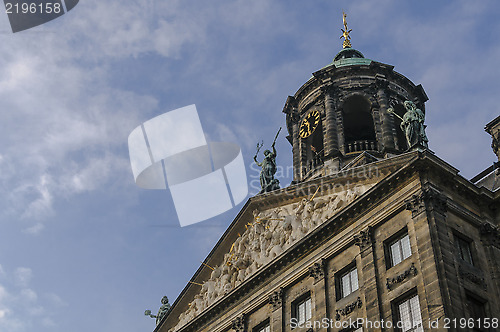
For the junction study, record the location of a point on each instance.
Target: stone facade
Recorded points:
(423, 198)
(377, 230)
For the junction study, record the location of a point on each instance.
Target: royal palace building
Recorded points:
(375, 233)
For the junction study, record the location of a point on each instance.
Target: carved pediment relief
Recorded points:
(267, 235)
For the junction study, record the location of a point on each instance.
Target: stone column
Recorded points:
(386, 118)
(331, 139)
(276, 302)
(296, 151)
(340, 128)
(490, 237)
(364, 240)
(438, 289)
(317, 271)
(303, 157)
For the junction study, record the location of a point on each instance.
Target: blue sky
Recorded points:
(82, 248)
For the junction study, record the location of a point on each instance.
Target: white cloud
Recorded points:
(28, 296)
(35, 229)
(48, 322)
(23, 276)
(137, 30)
(20, 306)
(3, 313)
(55, 300)
(53, 148)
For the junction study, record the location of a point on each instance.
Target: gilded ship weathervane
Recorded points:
(345, 33)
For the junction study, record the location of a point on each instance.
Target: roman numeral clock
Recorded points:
(309, 124)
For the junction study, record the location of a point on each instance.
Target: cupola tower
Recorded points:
(344, 111)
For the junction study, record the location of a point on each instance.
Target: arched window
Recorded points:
(359, 130)
(317, 149)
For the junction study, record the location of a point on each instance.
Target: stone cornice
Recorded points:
(331, 73)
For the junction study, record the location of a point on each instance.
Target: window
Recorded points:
(463, 249)
(263, 327)
(399, 250)
(349, 282)
(409, 317)
(476, 310)
(302, 310)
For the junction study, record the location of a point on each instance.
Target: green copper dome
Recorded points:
(350, 56)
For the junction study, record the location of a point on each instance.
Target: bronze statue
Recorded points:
(412, 125)
(267, 181)
(165, 307)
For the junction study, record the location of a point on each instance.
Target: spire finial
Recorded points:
(345, 33)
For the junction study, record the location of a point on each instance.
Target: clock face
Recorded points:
(309, 124)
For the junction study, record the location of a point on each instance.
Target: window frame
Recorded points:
(461, 243)
(262, 326)
(397, 312)
(390, 242)
(296, 305)
(348, 272)
(476, 302)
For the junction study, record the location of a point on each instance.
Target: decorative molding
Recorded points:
(317, 271)
(276, 298)
(495, 143)
(474, 278)
(490, 234)
(239, 324)
(411, 271)
(348, 309)
(429, 198)
(320, 102)
(381, 82)
(364, 239)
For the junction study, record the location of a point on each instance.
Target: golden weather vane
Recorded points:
(345, 33)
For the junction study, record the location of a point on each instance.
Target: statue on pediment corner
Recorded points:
(413, 125)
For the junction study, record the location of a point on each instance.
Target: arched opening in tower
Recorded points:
(359, 130)
(317, 149)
